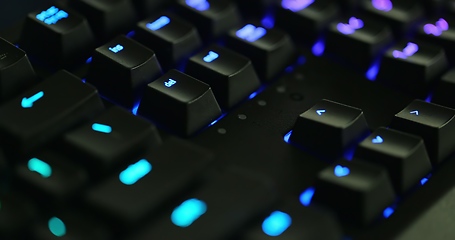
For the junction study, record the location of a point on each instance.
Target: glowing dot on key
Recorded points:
(135, 172)
(57, 227)
(409, 50)
(159, 23)
(200, 5)
(275, 224)
(382, 5)
(188, 212)
(98, 127)
(251, 33)
(296, 5)
(350, 27)
(306, 196)
(116, 49)
(211, 56)
(36, 165)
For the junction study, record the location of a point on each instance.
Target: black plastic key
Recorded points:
(58, 36)
(356, 190)
(169, 36)
(16, 73)
(441, 32)
(141, 188)
(434, 123)
(231, 75)
(179, 103)
(328, 128)
(16, 213)
(121, 69)
(404, 155)
(111, 138)
(443, 93)
(226, 203)
(270, 50)
(45, 111)
(147, 7)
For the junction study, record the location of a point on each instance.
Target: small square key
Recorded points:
(179, 103)
(434, 123)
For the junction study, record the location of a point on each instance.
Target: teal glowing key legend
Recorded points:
(135, 172)
(102, 128)
(57, 227)
(36, 165)
(188, 212)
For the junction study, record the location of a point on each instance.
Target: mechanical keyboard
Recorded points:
(227, 119)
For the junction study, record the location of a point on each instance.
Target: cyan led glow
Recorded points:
(436, 29)
(350, 27)
(296, 5)
(116, 49)
(306, 196)
(189, 211)
(170, 83)
(159, 23)
(409, 50)
(57, 227)
(377, 140)
(52, 15)
(135, 172)
(39, 166)
(211, 56)
(102, 128)
(275, 224)
(28, 102)
(341, 171)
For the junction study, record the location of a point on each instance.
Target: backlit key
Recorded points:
(439, 31)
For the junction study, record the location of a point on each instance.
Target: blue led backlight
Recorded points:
(101, 128)
(57, 227)
(373, 71)
(135, 172)
(159, 23)
(211, 56)
(341, 171)
(36, 165)
(28, 102)
(320, 112)
(306, 196)
(275, 224)
(388, 212)
(377, 140)
(409, 50)
(350, 27)
(200, 5)
(287, 136)
(318, 48)
(170, 83)
(251, 33)
(116, 49)
(188, 212)
(52, 15)
(296, 5)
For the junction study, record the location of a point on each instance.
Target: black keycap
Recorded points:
(439, 31)
(162, 173)
(443, 93)
(270, 50)
(412, 67)
(231, 75)
(359, 40)
(16, 73)
(328, 128)
(148, 7)
(51, 176)
(286, 223)
(112, 137)
(70, 224)
(225, 203)
(356, 190)
(107, 18)
(212, 18)
(306, 20)
(46, 110)
(254, 7)
(403, 155)
(434, 123)
(179, 103)
(172, 38)
(16, 213)
(121, 69)
(57, 36)
(401, 16)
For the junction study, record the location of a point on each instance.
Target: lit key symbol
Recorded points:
(170, 83)
(52, 15)
(382, 5)
(200, 5)
(409, 50)
(57, 227)
(116, 49)
(436, 29)
(341, 171)
(296, 5)
(188, 212)
(415, 112)
(158, 24)
(211, 57)
(135, 172)
(101, 128)
(251, 33)
(320, 111)
(350, 27)
(377, 140)
(36, 165)
(28, 102)
(275, 224)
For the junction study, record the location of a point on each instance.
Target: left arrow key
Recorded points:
(28, 102)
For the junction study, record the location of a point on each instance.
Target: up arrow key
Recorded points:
(320, 112)
(415, 112)
(28, 102)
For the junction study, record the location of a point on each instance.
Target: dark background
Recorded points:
(12, 11)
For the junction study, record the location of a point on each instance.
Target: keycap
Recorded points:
(231, 75)
(51, 176)
(434, 123)
(356, 190)
(225, 203)
(438, 31)
(412, 67)
(44, 111)
(113, 137)
(163, 172)
(444, 90)
(305, 20)
(70, 224)
(58, 36)
(17, 212)
(362, 40)
(399, 15)
(328, 128)
(172, 38)
(270, 50)
(148, 7)
(179, 103)
(107, 18)
(212, 18)
(292, 221)
(403, 155)
(16, 73)
(121, 69)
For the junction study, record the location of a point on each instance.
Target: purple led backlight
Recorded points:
(200, 5)
(296, 5)
(382, 5)
(436, 29)
(408, 51)
(349, 28)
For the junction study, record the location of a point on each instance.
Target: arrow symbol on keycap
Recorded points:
(28, 102)
(377, 140)
(320, 112)
(415, 112)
